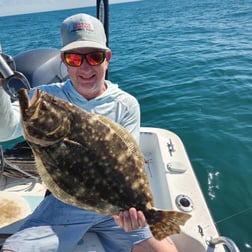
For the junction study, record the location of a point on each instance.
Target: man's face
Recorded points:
(87, 79)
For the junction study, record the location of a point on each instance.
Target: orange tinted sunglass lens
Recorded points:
(73, 59)
(95, 58)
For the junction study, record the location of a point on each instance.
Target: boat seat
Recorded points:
(40, 66)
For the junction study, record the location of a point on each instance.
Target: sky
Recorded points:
(13, 7)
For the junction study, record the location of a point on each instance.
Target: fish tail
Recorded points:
(165, 223)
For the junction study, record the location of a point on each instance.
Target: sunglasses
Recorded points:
(76, 59)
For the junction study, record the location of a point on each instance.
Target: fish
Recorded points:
(90, 161)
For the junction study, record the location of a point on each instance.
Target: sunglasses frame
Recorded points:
(84, 56)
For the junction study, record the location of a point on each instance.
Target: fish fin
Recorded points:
(165, 223)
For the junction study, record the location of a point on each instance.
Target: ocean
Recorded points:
(189, 63)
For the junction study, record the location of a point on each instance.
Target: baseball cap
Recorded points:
(82, 31)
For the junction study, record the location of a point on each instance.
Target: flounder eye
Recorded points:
(44, 105)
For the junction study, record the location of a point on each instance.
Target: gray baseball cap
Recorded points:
(82, 31)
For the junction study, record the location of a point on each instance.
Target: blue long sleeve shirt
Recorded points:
(114, 103)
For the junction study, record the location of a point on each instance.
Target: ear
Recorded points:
(62, 58)
(108, 55)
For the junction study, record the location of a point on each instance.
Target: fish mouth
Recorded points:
(44, 122)
(26, 104)
(35, 97)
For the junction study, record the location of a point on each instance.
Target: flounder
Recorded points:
(91, 162)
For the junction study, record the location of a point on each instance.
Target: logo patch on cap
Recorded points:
(81, 26)
(82, 31)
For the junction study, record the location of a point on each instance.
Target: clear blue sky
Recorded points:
(13, 7)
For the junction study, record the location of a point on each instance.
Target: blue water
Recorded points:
(189, 63)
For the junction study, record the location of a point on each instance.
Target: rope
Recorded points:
(233, 215)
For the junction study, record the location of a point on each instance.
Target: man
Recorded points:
(57, 226)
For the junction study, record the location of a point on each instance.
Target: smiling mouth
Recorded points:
(87, 78)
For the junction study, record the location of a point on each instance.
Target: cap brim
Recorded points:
(83, 44)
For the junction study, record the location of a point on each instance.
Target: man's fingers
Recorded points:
(141, 219)
(118, 220)
(126, 221)
(133, 218)
(130, 219)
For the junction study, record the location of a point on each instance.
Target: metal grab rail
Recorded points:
(224, 241)
(7, 74)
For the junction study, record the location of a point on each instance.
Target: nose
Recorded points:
(85, 65)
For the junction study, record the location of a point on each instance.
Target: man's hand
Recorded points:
(130, 219)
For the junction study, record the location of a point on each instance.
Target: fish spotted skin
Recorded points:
(89, 161)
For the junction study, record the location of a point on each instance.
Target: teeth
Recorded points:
(87, 78)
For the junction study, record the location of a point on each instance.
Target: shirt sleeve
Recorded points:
(10, 126)
(10, 118)
(130, 118)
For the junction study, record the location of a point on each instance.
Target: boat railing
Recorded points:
(8, 73)
(227, 242)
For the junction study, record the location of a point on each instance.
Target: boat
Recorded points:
(173, 182)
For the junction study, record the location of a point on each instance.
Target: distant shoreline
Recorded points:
(19, 7)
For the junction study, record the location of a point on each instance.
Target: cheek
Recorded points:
(106, 65)
(103, 69)
(71, 72)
